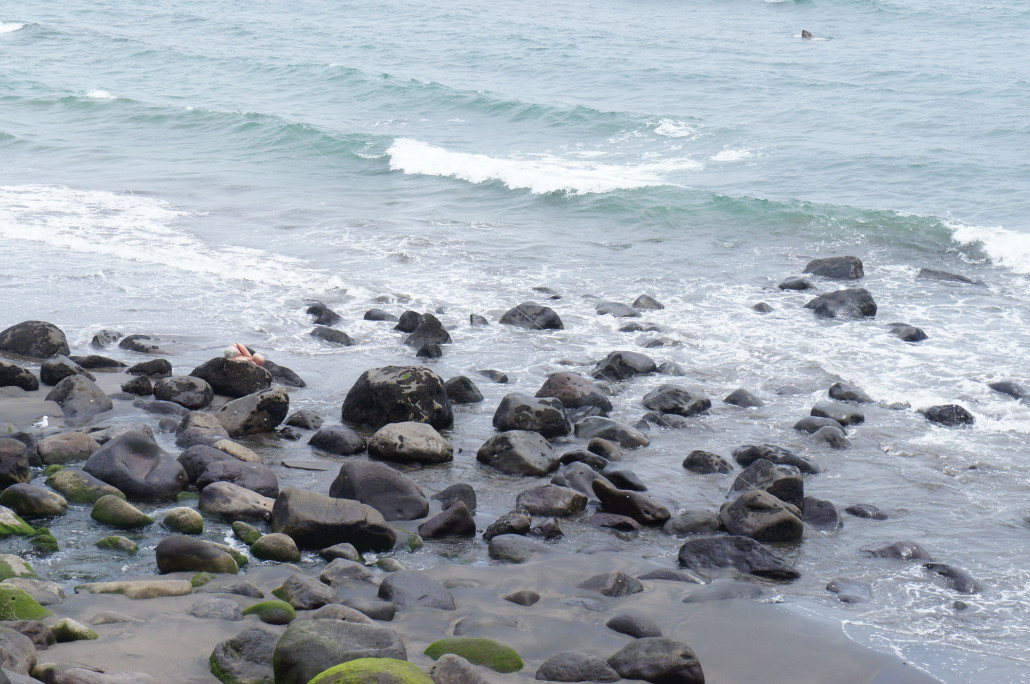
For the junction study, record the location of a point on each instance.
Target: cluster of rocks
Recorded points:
(396, 414)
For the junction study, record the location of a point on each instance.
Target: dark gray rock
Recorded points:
(455, 521)
(304, 593)
(518, 452)
(408, 322)
(228, 500)
(944, 276)
(740, 553)
(283, 375)
(343, 570)
(247, 657)
(605, 448)
(407, 588)
(410, 442)
(316, 521)
(671, 368)
(344, 551)
(379, 315)
(155, 368)
(338, 439)
(199, 428)
(821, 514)
(179, 553)
(80, 399)
(858, 298)
(574, 666)
(901, 550)
(692, 522)
(461, 390)
(105, 338)
(140, 386)
(838, 268)
(548, 530)
(676, 400)
(866, 511)
(640, 507)
(143, 344)
(636, 626)
(457, 492)
(14, 462)
(305, 419)
(587, 458)
(532, 316)
(705, 462)
(829, 308)
(40, 634)
(612, 521)
(782, 481)
(514, 522)
(309, 647)
(761, 516)
(230, 585)
(374, 608)
(395, 394)
(849, 590)
(257, 477)
(17, 653)
(390, 492)
(13, 375)
(500, 377)
(523, 597)
(551, 500)
(725, 591)
(812, 424)
(658, 660)
(30, 501)
(622, 365)
(647, 303)
(34, 339)
(429, 351)
(842, 391)
(611, 430)
(255, 413)
(323, 314)
(574, 391)
(216, 609)
(189, 392)
(136, 465)
(429, 331)
(614, 584)
(795, 283)
(515, 548)
(57, 368)
(233, 378)
(748, 454)
(907, 333)
(95, 362)
(832, 437)
(1009, 387)
(762, 308)
(617, 310)
(523, 412)
(670, 575)
(956, 578)
(623, 478)
(742, 398)
(950, 415)
(475, 320)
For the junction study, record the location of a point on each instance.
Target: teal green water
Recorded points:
(200, 170)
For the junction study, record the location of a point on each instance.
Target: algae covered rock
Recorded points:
(11, 524)
(373, 671)
(273, 612)
(485, 652)
(14, 566)
(246, 658)
(70, 630)
(114, 512)
(116, 543)
(247, 534)
(276, 546)
(15, 604)
(80, 487)
(184, 520)
(181, 553)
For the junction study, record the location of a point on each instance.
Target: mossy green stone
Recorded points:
(413, 542)
(276, 547)
(273, 612)
(116, 543)
(186, 497)
(15, 604)
(240, 558)
(389, 565)
(201, 578)
(51, 469)
(11, 524)
(373, 671)
(69, 630)
(245, 533)
(79, 487)
(44, 542)
(485, 652)
(115, 512)
(184, 520)
(15, 566)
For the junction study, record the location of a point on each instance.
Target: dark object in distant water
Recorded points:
(949, 414)
(762, 307)
(1009, 387)
(323, 314)
(868, 511)
(795, 283)
(932, 274)
(958, 579)
(806, 35)
(379, 315)
(908, 333)
(852, 303)
(838, 268)
(332, 336)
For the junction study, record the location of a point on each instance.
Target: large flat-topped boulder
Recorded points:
(34, 339)
(317, 521)
(135, 464)
(397, 394)
(233, 378)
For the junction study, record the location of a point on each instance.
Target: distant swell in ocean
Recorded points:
(540, 174)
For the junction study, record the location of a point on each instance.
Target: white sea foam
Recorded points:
(732, 155)
(99, 95)
(142, 230)
(1005, 247)
(540, 174)
(671, 128)
(10, 27)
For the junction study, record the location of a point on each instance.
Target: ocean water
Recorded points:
(200, 171)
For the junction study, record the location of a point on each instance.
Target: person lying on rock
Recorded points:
(239, 352)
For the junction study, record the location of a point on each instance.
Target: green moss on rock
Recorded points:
(15, 566)
(245, 533)
(44, 542)
(51, 469)
(115, 512)
(184, 520)
(201, 578)
(15, 604)
(187, 497)
(12, 524)
(116, 543)
(273, 612)
(69, 630)
(373, 671)
(485, 652)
